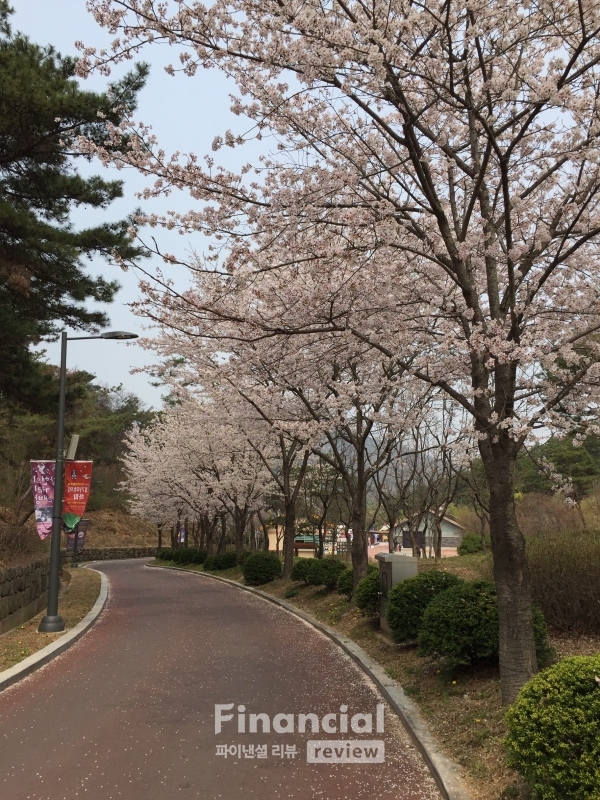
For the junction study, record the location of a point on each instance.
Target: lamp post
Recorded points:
(53, 622)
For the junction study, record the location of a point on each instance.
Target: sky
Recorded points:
(186, 114)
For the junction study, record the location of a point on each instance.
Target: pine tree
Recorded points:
(44, 282)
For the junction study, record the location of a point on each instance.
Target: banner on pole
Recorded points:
(79, 531)
(42, 481)
(76, 490)
(78, 479)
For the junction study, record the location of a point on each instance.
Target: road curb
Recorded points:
(443, 769)
(58, 646)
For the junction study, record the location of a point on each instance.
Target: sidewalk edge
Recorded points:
(32, 663)
(444, 770)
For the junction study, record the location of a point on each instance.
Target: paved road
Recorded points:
(129, 711)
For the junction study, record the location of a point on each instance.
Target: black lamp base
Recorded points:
(52, 624)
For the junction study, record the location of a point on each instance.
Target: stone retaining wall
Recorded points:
(23, 588)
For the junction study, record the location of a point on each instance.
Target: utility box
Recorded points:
(393, 568)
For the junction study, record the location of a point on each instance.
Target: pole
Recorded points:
(75, 552)
(53, 622)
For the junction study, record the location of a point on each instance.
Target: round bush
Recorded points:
(324, 572)
(241, 559)
(461, 625)
(367, 594)
(209, 563)
(227, 560)
(554, 731)
(408, 600)
(471, 543)
(300, 569)
(166, 554)
(345, 582)
(261, 567)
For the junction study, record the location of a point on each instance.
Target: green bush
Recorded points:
(461, 625)
(241, 559)
(221, 561)
(261, 567)
(345, 582)
(554, 731)
(471, 543)
(209, 563)
(166, 554)
(291, 591)
(367, 594)
(300, 569)
(408, 600)
(324, 572)
(186, 555)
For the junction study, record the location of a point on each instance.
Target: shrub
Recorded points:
(461, 625)
(291, 591)
(166, 554)
(221, 561)
(564, 569)
(324, 572)
(227, 560)
(241, 559)
(408, 600)
(300, 569)
(261, 567)
(367, 594)
(345, 582)
(554, 731)
(471, 543)
(198, 556)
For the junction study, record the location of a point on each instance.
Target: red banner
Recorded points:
(78, 478)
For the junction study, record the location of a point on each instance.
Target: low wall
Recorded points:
(23, 588)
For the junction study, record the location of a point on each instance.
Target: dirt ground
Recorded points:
(74, 601)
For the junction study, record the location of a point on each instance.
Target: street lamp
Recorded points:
(53, 622)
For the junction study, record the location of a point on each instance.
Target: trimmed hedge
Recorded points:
(300, 569)
(183, 555)
(324, 572)
(470, 543)
(461, 625)
(408, 600)
(261, 567)
(367, 594)
(554, 731)
(221, 561)
(345, 583)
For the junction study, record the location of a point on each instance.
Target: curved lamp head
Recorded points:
(118, 335)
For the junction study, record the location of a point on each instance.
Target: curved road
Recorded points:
(129, 711)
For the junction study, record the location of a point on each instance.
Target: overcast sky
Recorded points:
(186, 114)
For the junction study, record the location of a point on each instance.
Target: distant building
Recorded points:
(452, 531)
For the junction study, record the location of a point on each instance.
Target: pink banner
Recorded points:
(42, 481)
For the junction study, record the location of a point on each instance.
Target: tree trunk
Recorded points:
(221, 544)
(518, 661)
(186, 527)
(160, 527)
(253, 547)
(360, 548)
(239, 528)
(289, 537)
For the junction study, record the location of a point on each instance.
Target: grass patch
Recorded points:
(74, 604)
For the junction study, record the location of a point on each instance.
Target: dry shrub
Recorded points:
(538, 513)
(564, 572)
(17, 542)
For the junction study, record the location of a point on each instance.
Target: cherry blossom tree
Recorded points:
(447, 155)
